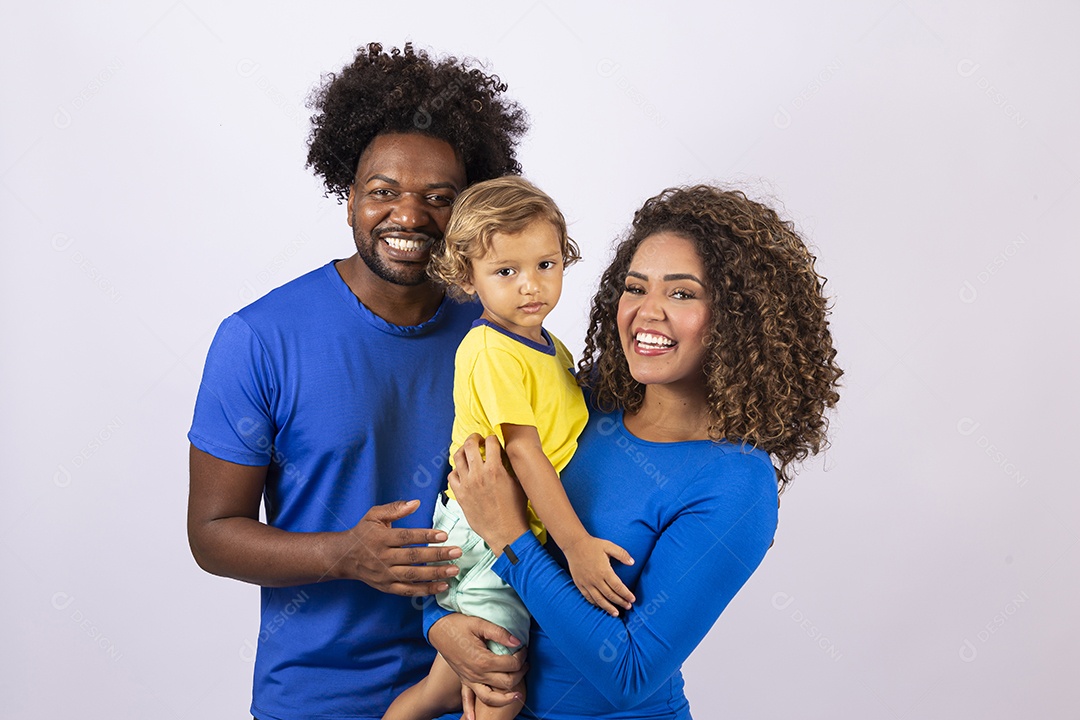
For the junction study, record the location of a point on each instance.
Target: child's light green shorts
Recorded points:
(476, 590)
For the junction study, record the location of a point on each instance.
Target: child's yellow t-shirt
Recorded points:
(501, 377)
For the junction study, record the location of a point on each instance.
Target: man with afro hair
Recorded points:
(331, 399)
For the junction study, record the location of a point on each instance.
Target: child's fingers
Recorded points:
(614, 596)
(619, 588)
(626, 597)
(615, 590)
(600, 600)
(468, 703)
(617, 553)
(584, 590)
(596, 597)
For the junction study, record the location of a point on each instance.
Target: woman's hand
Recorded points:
(492, 500)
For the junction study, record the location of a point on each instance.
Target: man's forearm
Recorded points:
(246, 549)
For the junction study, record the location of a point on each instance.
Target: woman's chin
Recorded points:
(674, 377)
(649, 376)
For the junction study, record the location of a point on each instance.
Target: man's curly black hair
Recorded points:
(406, 91)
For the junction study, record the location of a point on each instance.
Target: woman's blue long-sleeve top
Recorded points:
(697, 517)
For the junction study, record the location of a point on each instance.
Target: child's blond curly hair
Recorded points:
(504, 205)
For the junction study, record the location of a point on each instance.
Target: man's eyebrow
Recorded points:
(384, 178)
(430, 186)
(438, 185)
(667, 278)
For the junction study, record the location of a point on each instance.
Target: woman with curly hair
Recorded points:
(709, 365)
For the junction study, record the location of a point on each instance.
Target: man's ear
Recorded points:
(349, 205)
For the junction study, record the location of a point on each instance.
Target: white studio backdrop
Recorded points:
(152, 182)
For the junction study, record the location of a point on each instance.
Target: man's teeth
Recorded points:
(653, 340)
(404, 245)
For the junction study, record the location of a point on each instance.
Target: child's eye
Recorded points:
(547, 264)
(504, 272)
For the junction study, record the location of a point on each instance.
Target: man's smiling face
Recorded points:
(400, 201)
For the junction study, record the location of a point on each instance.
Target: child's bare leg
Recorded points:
(437, 694)
(485, 712)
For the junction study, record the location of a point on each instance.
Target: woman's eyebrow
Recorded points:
(667, 278)
(683, 276)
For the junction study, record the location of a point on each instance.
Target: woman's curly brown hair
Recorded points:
(769, 362)
(406, 91)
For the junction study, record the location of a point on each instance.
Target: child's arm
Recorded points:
(588, 556)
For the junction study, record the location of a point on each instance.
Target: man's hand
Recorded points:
(227, 538)
(461, 640)
(381, 556)
(590, 566)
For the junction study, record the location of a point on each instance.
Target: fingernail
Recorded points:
(514, 641)
(440, 536)
(455, 553)
(441, 587)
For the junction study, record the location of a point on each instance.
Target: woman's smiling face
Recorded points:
(664, 313)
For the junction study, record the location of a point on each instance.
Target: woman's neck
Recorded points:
(670, 414)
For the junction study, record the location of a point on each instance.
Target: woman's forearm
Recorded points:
(687, 582)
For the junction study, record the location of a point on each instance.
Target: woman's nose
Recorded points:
(651, 306)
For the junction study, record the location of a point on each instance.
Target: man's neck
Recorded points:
(396, 304)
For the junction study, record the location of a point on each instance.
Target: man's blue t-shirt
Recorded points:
(348, 411)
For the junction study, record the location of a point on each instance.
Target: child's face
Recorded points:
(520, 279)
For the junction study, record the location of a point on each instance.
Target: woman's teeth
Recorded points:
(649, 340)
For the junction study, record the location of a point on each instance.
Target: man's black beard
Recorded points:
(365, 248)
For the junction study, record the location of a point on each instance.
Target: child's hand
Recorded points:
(590, 566)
